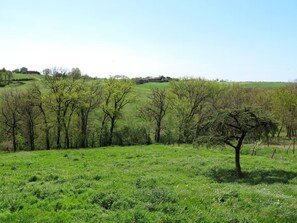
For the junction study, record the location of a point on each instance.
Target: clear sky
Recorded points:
(238, 40)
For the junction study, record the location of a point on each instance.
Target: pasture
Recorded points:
(154, 183)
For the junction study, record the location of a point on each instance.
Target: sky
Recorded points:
(235, 40)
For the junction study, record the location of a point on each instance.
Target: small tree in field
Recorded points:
(231, 127)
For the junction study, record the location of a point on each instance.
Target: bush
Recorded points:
(6, 146)
(132, 135)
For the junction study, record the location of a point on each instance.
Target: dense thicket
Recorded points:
(67, 110)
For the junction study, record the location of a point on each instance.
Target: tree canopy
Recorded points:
(232, 127)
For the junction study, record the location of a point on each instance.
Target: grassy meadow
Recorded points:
(154, 183)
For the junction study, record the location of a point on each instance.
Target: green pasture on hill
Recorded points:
(147, 184)
(17, 76)
(147, 87)
(272, 85)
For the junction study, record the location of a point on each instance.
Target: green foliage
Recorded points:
(132, 135)
(155, 109)
(115, 97)
(285, 107)
(65, 109)
(192, 100)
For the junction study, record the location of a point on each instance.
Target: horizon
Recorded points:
(230, 40)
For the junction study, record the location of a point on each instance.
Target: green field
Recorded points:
(147, 184)
(17, 76)
(272, 85)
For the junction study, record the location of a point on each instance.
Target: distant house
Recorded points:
(157, 79)
(33, 72)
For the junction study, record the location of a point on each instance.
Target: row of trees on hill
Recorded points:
(57, 113)
(68, 110)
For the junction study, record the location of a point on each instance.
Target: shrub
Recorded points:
(6, 146)
(132, 135)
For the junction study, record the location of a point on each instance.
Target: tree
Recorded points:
(10, 113)
(190, 102)
(47, 71)
(285, 108)
(29, 112)
(155, 110)
(24, 70)
(89, 99)
(75, 73)
(41, 105)
(115, 98)
(61, 99)
(5, 76)
(232, 127)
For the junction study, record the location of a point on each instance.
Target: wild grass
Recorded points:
(147, 184)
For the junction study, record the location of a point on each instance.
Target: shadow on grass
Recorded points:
(252, 177)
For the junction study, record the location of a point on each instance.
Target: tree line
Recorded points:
(68, 110)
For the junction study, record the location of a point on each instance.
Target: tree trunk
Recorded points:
(84, 128)
(112, 124)
(14, 139)
(59, 136)
(67, 140)
(31, 134)
(280, 129)
(158, 132)
(103, 123)
(237, 155)
(47, 138)
(66, 125)
(237, 162)
(59, 129)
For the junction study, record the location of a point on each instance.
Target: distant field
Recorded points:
(265, 84)
(147, 87)
(147, 184)
(25, 76)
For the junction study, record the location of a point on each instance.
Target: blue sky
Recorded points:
(238, 40)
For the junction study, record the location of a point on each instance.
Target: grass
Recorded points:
(143, 90)
(147, 184)
(17, 76)
(271, 85)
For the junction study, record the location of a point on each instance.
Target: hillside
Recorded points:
(26, 79)
(147, 184)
